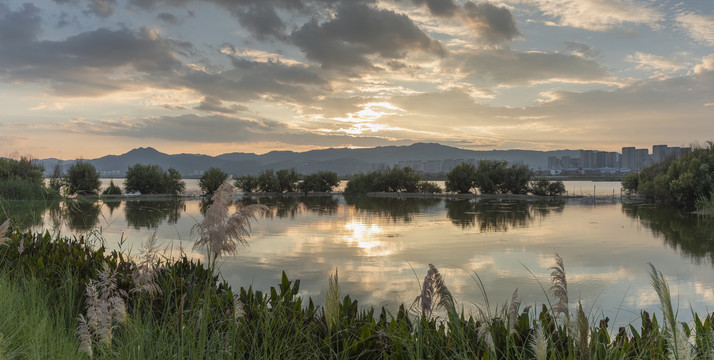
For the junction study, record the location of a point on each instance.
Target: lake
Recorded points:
(382, 246)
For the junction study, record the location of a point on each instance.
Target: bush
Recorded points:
(321, 181)
(152, 179)
(268, 181)
(25, 169)
(428, 187)
(540, 187)
(247, 183)
(392, 180)
(82, 178)
(112, 189)
(461, 179)
(288, 179)
(211, 180)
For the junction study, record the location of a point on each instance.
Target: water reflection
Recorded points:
(293, 206)
(493, 215)
(694, 235)
(152, 213)
(26, 214)
(80, 214)
(393, 208)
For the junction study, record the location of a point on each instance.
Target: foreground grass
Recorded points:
(152, 308)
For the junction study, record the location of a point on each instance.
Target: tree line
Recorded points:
(489, 177)
(687, 182)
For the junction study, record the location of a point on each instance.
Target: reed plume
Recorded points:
(4, 231)
(434, 293)
(583, 332)
(513, 313)
(679, 347)
(220, 232)
(105, 311)
(144, 274)
(539, 344)
(332, 302)
(559, 288)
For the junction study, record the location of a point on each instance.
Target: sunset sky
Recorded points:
(86, 78)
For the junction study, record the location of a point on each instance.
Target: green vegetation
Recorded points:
(247, 183)
(545, 187)
(461, 178)
(22, 180)
(69, 298)
(268, 181)
(392, 180)
(211, 180)
(82, 178)
(112, 189)
(288, 180)
(687, 182)
(152, 179)
(490, 177)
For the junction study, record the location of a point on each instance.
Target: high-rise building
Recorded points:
(628, 158)
(586, 159)
(659, 153)
(642, 157)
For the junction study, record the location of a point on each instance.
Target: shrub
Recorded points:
(288, 179)
(82, 178)
(247, 183)
(112, 189)
(428, 187)
(211, 180)
(321, 181)
(268, 181)
(461, 178)
(152, 179)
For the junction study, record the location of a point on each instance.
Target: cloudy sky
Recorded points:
(85, 78)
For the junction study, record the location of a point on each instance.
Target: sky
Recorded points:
(86, 78)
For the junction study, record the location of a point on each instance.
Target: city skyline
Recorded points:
(86, 78)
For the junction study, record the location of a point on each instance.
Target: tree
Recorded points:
(515, 180)
(461, 178)
(211, 180)
(288, 179)
(490, 175)
(146, 179)
(631, 182)
(57, 179)
(82, 178)
(173, 183)
(321, 181)
(247, 183)
(268, 181)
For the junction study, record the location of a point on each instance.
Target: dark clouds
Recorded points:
(213, 104)
(444, 8)
(508, 67)
(359, 31)
(493, 23)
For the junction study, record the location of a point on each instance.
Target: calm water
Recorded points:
(382, 246)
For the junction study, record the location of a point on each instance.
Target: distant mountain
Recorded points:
(344, 161)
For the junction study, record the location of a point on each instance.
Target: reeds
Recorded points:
(219, 232)
(559, 288)
(434, 294)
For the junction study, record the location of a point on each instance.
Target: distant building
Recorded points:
(659, 153)
(586, 159)
(642, 158)
(628, 158)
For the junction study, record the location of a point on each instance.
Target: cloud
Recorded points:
(508, 67)
(445, 8)
(86, 64)
(168, 18)
(598, 15)
(19, 27)
(251, 80)
(656, 63)
(213, 104)
(101, 8)
(215, 129)
(582, 50)
(493, 23)
(699, 27)
(359, 31)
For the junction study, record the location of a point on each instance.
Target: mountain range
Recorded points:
(343, 161)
